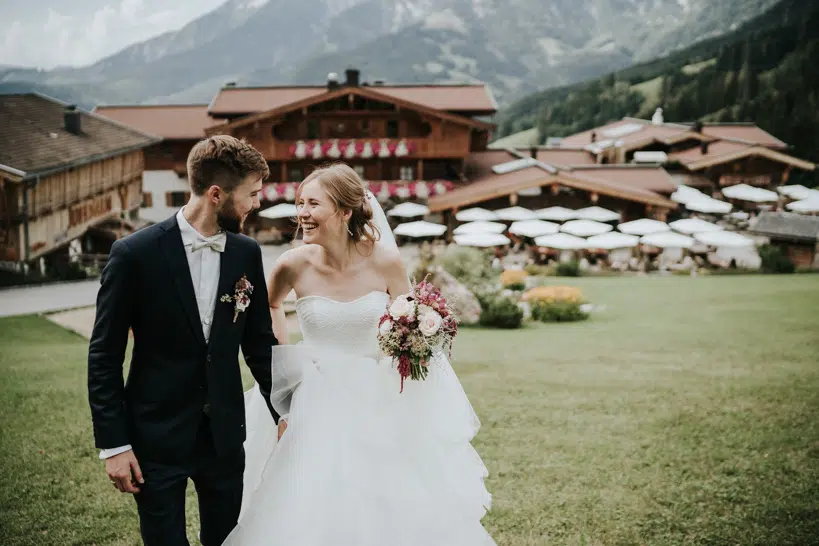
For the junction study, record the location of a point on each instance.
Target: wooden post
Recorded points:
(419, 175)
(284, 171)
(594, 197)
(513, 199)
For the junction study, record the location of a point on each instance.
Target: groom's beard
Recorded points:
(228, 219)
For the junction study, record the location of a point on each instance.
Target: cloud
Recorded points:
(82, 38)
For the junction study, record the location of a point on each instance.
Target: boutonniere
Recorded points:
(241, 296)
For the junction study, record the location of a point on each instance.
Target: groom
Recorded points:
(192, 291)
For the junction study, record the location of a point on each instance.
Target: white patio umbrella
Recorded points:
(585, 228)
(805, 205)
(515, 214)
(798, 192)
(480, 227)
(559, 214)
(740, 215)
(533, 228)
(419, 229)
(693, 225)
(744, 192)
(612, 240)
(282, 210)
(684, 194)
(667, 239)
(709, 205)
(408, 210)
(643, 226)
(484, 239)
(561, 241)
(475, 214)
(598, 214)
(723, 239)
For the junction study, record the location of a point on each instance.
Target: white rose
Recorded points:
(429, 323)
(402, 307)
(423, 309)
(385, 327)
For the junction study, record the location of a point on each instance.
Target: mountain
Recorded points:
(764, 72)
(517, 46)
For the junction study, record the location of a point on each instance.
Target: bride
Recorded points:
(354, 462)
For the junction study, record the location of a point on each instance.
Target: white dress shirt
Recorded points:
(204, 262)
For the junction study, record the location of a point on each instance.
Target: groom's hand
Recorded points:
(124, 472)
(282, 428)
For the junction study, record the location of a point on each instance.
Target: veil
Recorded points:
(380, 221)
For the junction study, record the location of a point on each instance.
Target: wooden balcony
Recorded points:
(363, 148)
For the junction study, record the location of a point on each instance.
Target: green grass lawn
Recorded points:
(684, 413)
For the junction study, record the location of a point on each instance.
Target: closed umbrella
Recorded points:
(744, 192)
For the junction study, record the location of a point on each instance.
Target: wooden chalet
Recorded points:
(407, 141)
(796, 235)
(63, 172)
(704, 155)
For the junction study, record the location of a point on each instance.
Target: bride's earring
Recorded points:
(348, 229)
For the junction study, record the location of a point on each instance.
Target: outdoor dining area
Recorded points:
(707, 233)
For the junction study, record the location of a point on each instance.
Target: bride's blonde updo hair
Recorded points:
(347, 192)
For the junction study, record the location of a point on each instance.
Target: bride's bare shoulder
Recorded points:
(387, 258)
(296, 258)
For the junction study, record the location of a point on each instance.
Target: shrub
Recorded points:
(551, 294)
(513, 279)
(558, 311)
(500, 312)
(774, 261)
(469, 266)
(535, 270)
(568, 269)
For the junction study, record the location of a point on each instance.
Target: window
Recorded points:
(407, 173)
(359, 169)
(296, 174)
(147, 199)
(365, 127)
(313, 128)
(176, 198)
(392, 128)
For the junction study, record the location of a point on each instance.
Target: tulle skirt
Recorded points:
(362, 464)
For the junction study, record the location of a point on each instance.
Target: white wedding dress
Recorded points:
(360, 463)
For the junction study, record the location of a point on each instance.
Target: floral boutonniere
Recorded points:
(241, 296)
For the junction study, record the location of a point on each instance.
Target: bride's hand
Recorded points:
(282, 428)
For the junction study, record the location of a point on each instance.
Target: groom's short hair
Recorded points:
(224, 161)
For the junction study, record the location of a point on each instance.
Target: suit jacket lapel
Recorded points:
(230, 271)
(180, 274)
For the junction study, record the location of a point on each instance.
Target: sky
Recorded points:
(49, 33)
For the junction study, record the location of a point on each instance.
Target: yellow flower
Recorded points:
(552, 294)
(513, 277)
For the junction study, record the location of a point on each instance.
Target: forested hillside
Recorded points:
(765, 72)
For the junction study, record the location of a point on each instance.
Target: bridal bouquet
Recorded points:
(416, 325)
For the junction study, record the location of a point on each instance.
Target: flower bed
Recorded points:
(555, 303)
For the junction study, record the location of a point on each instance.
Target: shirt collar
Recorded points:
(189, 233)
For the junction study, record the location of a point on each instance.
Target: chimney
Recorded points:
(594, 136)
(230, 84)
(352, 77)
(697, 126)
(332, 81)
(72, 119)
(704, 147)
(533, 152)
(657, 118)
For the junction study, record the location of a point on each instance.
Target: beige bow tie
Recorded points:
(217, 243)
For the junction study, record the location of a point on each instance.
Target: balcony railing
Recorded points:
(368, 148)
(382, 189)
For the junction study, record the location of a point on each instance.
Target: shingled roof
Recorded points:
(786, 225)
(34, 138)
